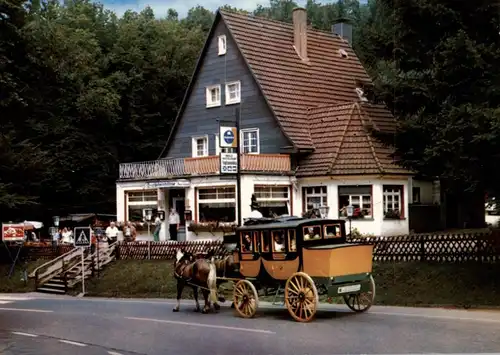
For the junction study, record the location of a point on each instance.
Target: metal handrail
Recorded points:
(53, 261)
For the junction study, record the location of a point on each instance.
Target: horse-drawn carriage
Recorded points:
(304, 257)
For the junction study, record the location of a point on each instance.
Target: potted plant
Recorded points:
(392, 214)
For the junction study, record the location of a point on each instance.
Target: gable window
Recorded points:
(200, 146)
(222, 45)
(359, 197)
(250, 141)
(393, 201)
(219, 150)
(233, 92)
(213, 95)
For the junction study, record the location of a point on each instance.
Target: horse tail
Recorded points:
(212, 281)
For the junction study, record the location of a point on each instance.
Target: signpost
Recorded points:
(13, 235)
(82, 241)
(230, 163)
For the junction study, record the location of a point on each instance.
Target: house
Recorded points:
(303, 134)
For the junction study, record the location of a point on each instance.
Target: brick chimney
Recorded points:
(299, 16)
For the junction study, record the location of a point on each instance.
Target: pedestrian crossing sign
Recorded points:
(82, 236)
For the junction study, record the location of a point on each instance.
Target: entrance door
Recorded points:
(179, 205)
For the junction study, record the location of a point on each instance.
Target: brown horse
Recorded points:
(199, 273)
(225, 267)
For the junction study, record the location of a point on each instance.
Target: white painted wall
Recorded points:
(376, 225)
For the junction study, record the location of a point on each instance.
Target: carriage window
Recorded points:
(257, 241)
(292, 241)
(246, 242)
(265, 241)
(332, 231)
(278, 241)
(312, 232)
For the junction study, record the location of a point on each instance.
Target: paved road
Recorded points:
(35, 324)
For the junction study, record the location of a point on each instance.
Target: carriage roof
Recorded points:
(291, 222)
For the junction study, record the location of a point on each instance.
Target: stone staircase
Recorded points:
(63, 273)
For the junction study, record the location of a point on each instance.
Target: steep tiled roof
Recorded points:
(290, 85)
(343, 143)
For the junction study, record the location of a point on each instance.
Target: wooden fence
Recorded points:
(480, 247)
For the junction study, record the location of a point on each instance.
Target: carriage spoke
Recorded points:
(245, 298)
(362, 301)
(301, 297)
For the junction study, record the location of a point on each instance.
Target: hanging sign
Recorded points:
(228, 137)
(13, 232)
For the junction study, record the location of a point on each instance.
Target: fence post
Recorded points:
(149, 250)
(422, 248)
(117, 251)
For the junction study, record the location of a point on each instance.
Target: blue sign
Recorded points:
(229, 137)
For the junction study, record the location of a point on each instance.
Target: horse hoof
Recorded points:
(222, 299)
(196, 310)
(175, 310)
(204, 311)
(216, 306)
(232, 305)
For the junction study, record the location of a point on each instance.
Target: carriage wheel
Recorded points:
(301, 297)
(245, 299)
(361, 302)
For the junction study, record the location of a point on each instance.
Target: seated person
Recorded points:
(279, 243)
(309, 233)
(293, 244)
(247, 243)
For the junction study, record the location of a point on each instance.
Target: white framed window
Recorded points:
(218, 149)
(273, 200)
(315, 196)
(200, 146)
(393, 201)
(233, 92)
(359, 197)
(222, 44)
(250, 141)
(137, 202)
(217, 204)
(213, 95)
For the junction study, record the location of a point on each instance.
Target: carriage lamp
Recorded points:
(323, 210)
(56, 221)
(350, 213)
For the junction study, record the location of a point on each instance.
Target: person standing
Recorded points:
(156, 233)
(173, 224)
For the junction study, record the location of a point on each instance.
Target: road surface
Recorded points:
(38, 324)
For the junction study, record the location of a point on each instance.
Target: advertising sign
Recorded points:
(228, 137)
(228, 163)
(13, 232)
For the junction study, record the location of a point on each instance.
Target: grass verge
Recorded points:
(402, 284)
(15, 283)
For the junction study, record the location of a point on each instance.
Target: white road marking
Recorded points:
(5, 302)
(436, 317)
(26, 310)
(26, 334)
(72, 342)
(113, 353)
(14, 298)
(262, 331)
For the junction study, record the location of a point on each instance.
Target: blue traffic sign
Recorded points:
(229, 137)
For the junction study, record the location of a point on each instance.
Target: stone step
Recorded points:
(50, 290)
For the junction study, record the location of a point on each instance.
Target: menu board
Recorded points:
(13, 232)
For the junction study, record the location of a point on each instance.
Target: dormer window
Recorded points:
(222, 45)
(361, 94)
(343, 53)
(213, 96)
(233, 92)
